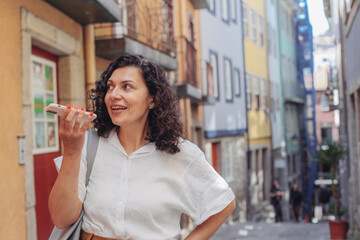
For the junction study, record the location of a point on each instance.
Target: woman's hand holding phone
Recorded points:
(72, 131)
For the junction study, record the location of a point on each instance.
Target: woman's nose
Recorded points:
(116, 93)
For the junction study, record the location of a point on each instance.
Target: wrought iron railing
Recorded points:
(147, 21)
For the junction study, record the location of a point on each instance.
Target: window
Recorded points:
(43, 75)
(248, 90)
(263, 93)
(261, 31)
(228, 80)
(214, 65)
(253, 25)
(211, 6)
(245, 19)
(256, 92)
(227, 163)
(326, 135)
(225, 10)
(237, 82)
(233, 10)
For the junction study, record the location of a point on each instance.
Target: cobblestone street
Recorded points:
(273, 231)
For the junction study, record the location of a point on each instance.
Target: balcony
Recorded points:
(146, 28)
(87, 12)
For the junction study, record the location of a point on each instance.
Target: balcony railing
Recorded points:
(147, 21)
(191, 76)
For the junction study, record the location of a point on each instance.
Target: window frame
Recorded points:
(232, 7)
(263, 93)
(261, 30)
(212, 11)
(245, 19)
(225, 18)
(237, 82)
(228, 82)
(256, 90)
(45, 120)
(248, 82)
(215, 74)
(253, 25)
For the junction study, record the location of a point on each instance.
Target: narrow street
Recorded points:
(273, 231)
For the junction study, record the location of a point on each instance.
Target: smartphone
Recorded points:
(58, 109)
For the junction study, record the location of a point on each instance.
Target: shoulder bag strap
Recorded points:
(92, 145)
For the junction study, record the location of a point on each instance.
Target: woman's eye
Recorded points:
(127, 86)
(109, 87)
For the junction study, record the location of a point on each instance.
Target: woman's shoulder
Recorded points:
(188, 148)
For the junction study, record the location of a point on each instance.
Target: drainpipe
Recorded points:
(90, 63)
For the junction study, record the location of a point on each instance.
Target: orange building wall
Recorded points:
(12, 183)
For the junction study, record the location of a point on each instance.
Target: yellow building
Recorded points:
(257, 90)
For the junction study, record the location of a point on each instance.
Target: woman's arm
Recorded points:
(64, 204)
(210, 226)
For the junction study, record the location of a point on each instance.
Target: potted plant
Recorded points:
(330, 155)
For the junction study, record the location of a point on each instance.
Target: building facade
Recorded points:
(44, 54)
(293, 97)
(222, 63)
(257, 94)
(349, 75)
(276, 97)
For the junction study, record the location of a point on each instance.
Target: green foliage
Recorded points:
(330, 155)
(332, 209)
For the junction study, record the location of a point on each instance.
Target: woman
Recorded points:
(144, 175)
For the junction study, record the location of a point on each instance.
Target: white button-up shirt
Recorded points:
(142, 195)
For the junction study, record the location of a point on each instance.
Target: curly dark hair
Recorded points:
(165, 127)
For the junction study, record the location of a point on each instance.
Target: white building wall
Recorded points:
(225, 122)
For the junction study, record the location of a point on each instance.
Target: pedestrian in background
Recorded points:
(296, 199)
(324, 200)
(144, 174)
(276, 195)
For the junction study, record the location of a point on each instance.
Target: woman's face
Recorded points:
(127, 99)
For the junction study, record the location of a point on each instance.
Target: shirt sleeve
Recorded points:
(206, 192)
(82, 171)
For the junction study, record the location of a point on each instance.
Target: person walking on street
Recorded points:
(295, 201)
(276, 195)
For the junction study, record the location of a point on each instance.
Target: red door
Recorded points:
(215, 156)
(45, 130)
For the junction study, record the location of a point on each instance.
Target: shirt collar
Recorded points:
(114, 140)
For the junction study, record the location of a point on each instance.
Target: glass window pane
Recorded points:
(49, 83)
(213, 62)
(228, 80)
(39, 135)
(51, 136)
(37, 75)
(38, 104)
(237, 82)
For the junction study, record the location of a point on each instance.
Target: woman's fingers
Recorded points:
(64, 116)
(87, 122)
(69, 119)
(79, 119)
